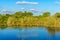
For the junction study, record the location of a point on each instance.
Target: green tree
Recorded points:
(27, 14)
(17, 14)
(46, 14)
(57, 15)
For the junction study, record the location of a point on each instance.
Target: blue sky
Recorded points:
(37, 6)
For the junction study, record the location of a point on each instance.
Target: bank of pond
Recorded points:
(28, 20)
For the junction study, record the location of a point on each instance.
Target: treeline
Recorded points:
(27, 19)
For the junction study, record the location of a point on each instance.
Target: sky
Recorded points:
(35, 6)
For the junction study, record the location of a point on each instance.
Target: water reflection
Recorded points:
(30, 33)
(53, 31)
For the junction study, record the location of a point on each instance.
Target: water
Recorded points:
(28, 34)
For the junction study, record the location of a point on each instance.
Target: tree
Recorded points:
(27, 14)
(57, 15)
(7, 15)
(17, 14)
(46, 14)
(1, 16)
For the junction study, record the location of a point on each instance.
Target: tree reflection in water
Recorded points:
(52, 31)
(21, 30)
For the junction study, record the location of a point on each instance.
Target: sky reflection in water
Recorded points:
(27, 34)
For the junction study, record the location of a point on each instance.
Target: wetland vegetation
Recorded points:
(25, 19)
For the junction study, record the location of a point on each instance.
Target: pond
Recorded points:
(28, 34)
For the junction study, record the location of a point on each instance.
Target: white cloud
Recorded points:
(7, 11)
(22, 8)
(25, 2)
(33, 10)
(3, 10)
(57, 2)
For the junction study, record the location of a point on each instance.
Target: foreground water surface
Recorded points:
(28, 34)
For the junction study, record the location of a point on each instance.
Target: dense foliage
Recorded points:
(26, 19)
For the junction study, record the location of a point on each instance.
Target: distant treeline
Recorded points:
(27, 19)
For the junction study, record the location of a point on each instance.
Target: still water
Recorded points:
(28, 34)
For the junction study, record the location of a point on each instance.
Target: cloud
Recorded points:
(22, 8)
(25, 2)
(7, 11)
(3, 10)
(58, 3)
(33, 10)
